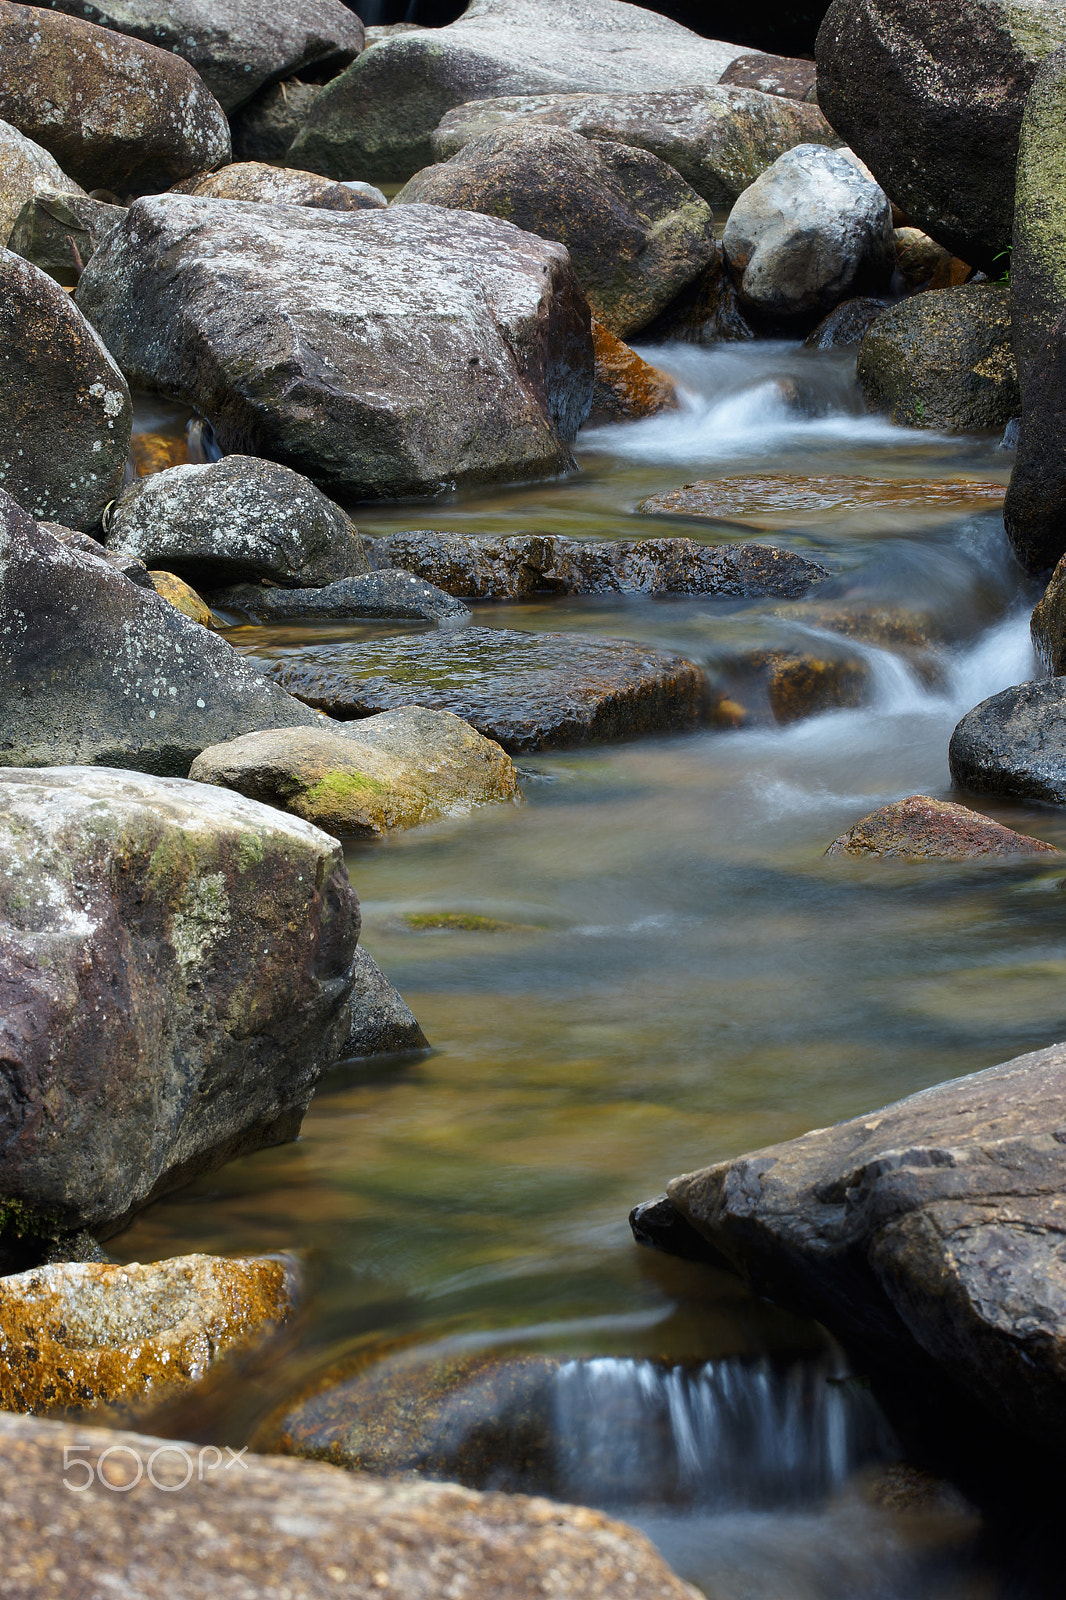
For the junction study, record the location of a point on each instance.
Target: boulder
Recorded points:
(382, 1022)
(129, 566)
(1014, 743)
(795, 78)
(377, 117)
(627, 387)
(809, 232)
(395, 770)
(458, 353)
(265, 126)
(280, 1527)
(847, 324)
(391, 593)
(58, 232)
(1035, 512)
(635, 231)
(236, 46)
(927, 1233)
(1048, 624)
(25, 171)
(237, 518)
(97, 670)
(943, 360)
(65, 410)
(524, 565)
(718, 139)
(116, 113)
(281, 186)
(924, 264)
(707, 311)
(920, 828)
(176, 965)
(544, 691)
(931, 98)
(183, 597)
(86, 1335)
(782, 496)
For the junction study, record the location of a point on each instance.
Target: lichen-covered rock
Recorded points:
(719, 139)
(281, 186)
(86, 1335)
(25, 171)
(236, 46)
(395, 770)
(390, 593)
(636, 232)
(283, 1527)
(809, 232)
(920, 828)
(377, 117)
(65, 409)
(382, 1021)
(97, 670)
(627, 387)
(59, 231)
(265, 126)
(543, 691)
(1048, 624)
(175, 962)
(115, 113)
(794, 77)
(928, 1233)
(1014, 743)
(521, 566)
(931, 98)
(847, 324)
(459, 352)
(182, 596)
(237, 518)
(943, 360)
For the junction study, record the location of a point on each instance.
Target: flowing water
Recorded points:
(674, 974)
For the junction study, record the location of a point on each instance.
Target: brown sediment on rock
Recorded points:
(921, 828)
(626, 387)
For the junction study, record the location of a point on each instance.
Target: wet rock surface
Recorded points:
(847, 324)
(382, 1021)
(113, 111)
(281, 186)
(928, 1229)
(458, 354)
(97, 670)
(1047, 625)
(544, 691)
(65, 409)
(707, 311)
(785, 494)
(26, 169)
(176, 970)
(636, 232)
(58, 232)
(943, 360)
(85, 1335)
(920, 828)
(233, 519)
(931, 98)
(627, 387)
(395, 770)
(1014, 743)
(522, 566)
(306, 1526)
(391, 593)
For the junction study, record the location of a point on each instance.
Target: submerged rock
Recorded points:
(635, 230)
(115, 113)
(543, 691)
(926, 1232)
(59, 232)
(458, 353)
(395, 770)
(297, 1527)
(281, 186)
(176, 966)
(237, 518)
(784, 495)
(65, 410)
(627, 387)
(26, 170)
(391, 594)
(943, 360)
(382, 1021)
(920, 828)
(1014, 743)
(129, 1337)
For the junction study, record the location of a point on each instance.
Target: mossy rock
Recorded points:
(943, 360)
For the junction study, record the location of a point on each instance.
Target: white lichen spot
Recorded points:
(202, 919)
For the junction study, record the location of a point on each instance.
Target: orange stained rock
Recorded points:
(155, 452)
(627, 386)
(921, 828)
(182, 597)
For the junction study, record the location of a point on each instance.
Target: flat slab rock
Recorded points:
(390, 593)
(528, 691)
(785, 495)
(522, 566)
(930, 1228)
(1014, 743)
(922, 828)
(278, 1528)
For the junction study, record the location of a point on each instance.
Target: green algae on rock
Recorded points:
(943, 359)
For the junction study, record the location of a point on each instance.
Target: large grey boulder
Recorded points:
(65, 409)
(943, 359)
(931, 98)
(379, 352)
(1035, 508)
(236, 46)
(237, 518)
(719, 139)
(811, 231)
(929, 1231)
(636, 232)
(176, 964)
(377, 117)
(97, 670)
(1014, 743)
(114, 112)
(26, 169)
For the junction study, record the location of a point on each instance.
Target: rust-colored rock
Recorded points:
(920, 828)
(155, 452)
(84, 1335)
(784, 495)
(182, 597)
(627, 387)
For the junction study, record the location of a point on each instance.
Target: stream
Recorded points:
(670, 972)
